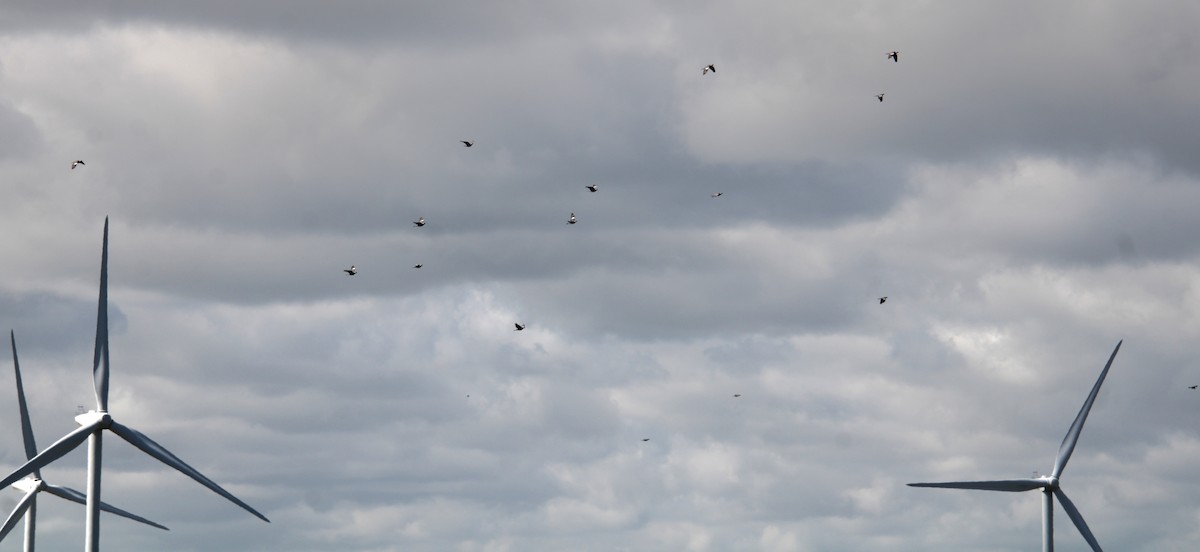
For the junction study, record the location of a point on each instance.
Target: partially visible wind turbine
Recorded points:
(94, 423)
(35, 484)
(1048, 484)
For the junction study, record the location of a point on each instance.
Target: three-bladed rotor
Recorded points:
(35, 484)
(1048, 484)
(99, 419)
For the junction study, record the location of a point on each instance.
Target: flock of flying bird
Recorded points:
(894, 56)
(572, 219)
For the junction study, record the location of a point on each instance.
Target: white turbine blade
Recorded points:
(1077, 518)
(100, 362)
(1006, 485)
(76, 496)
(26, 427)
(54, 452)
(17, 512)
(1068, 445)
(141, 441)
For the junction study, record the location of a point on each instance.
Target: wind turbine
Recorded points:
(94, 423)
(35, 484)
(1049, 484)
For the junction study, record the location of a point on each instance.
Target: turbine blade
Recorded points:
(1068, 444)
(1077, 518)
(100, 361)
(54, 452)
(76, 496)
(26, 427)
(17, 512)
(1006, 485)
(67, 493)
(141, 441)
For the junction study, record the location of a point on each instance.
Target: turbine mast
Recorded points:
(91, 539)
(1047, 520)
(30, 521)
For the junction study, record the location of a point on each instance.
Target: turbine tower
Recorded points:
(1049, 484)
(34, 484)
(94, 423)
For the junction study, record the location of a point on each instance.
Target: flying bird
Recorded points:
(77, 163)
(519, 327)
(736, 395)
(1193, 386)
(591, 187)
(418, 265)
(351, 271)
(880, 96)
(883, 300)
(707, 68)
(467, 143)
(894, 56)
(419, 222)
(646, 439)
(718, 194)
(572, 220)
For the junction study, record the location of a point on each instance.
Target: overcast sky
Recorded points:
(1025, 196)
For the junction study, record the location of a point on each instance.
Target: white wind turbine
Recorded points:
(93, 423)
(34, 484)
(1048, 484)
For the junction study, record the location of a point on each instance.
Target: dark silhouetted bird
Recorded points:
(895, 57)
(736, 395)
(351, 271)
(519, 327)
(419, 222)
(718, 194)
(883, 300)
(646, 439)
(467, 143)
(77, 163)
(591, 187)
(880, 96)
(1193, 386)
(418, 265)
(572, 220)
(707, 68)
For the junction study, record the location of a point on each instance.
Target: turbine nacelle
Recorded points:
(94, 418)
(30, 484)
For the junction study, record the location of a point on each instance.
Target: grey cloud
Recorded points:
(1022, 197)
(19, 135)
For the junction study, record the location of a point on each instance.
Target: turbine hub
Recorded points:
(1051, 481)
(29, 484)
(92, 416)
